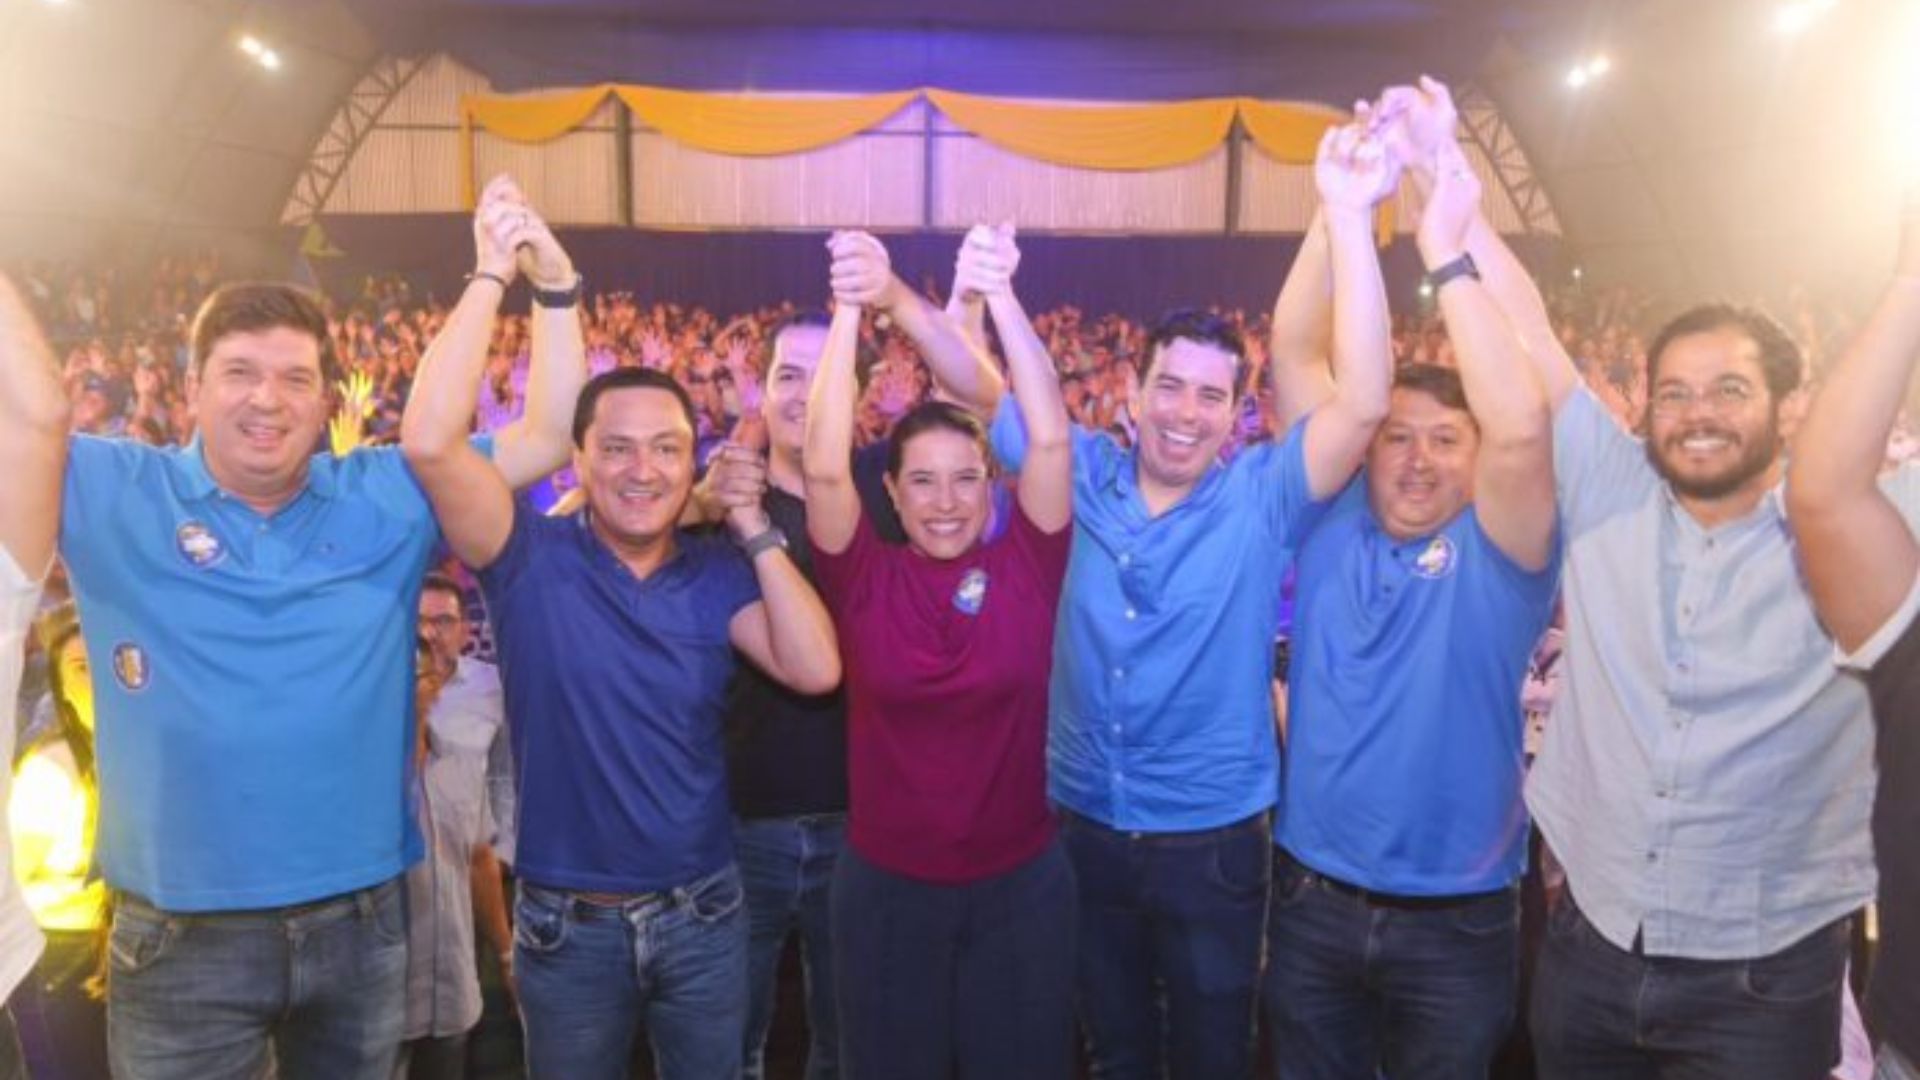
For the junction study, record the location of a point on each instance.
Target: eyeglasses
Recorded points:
(441, 622)
(1725, 396)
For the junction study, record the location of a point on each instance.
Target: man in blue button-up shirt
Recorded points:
(1162, 749)
(252, 607)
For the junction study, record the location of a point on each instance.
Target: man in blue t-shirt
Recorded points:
(616, 633)
(252, 607)
(1394, 933)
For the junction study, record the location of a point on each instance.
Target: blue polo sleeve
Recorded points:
(735, 583)
(1599, 470)
(1277, 473)
(1007, 434)
(1007, 438)
(99, 475)
(498, 577)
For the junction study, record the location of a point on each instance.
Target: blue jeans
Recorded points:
(1600, 1011)
(787, 865)
(1355, 985)
(590, 973)
(1170, 942)
(201, 996)
(973, 981)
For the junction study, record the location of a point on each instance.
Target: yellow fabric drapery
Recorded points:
(1105, 137)
(1287, 132)
(521, 119)
(1112, 137)
(742, 125)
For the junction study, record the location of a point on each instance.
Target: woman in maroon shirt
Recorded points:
(953, 907)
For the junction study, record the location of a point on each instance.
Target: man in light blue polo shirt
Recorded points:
(1394, 934)
(252, 607)
(1161, 746)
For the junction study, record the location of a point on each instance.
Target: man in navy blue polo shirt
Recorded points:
(616, 634)
(1394, 933)
(1161, 727)
(252, 606)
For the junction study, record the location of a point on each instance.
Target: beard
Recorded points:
(1758, 451)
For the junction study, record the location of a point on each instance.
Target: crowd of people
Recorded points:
(941, 635)
(115, 329)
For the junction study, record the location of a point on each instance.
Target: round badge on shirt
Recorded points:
(198, 545)
(972, 592)
(130, 667)
(1438, 560)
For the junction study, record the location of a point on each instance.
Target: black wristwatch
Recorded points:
(559, 298)
(769, 537)
(1463, 266)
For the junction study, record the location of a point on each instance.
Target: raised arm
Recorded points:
(826, 461)
(1857, 550)
(1513, 493)
(470, 496)
(988, 259)
(1303, 330)
(964, 374)
(33, 437)
(1353, 174)
(541, 440)
(1417, 123)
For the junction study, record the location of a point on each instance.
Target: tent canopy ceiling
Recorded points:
(131, 120)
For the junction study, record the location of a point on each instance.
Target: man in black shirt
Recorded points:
(1857, 545)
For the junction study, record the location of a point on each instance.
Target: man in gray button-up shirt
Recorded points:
(1708, 774)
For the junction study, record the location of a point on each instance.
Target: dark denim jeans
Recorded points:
(201, 996)
(1170, 942)
(1599, 1011)
(971, 981)
(1356, 986)
(62, 1027)
(589, 975)
(787, 865)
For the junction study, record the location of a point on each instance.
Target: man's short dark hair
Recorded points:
(1442, 384)
(438, 582)
(1203, 328)
(932, 416)
(256, 306)
(815, 319)
(626, 378)
(1781, 362)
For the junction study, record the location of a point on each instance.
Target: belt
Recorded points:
(1394, 901)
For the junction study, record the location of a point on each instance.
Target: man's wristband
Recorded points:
(488, 275)
(769, 537)
(559, 298)
(1452, 269)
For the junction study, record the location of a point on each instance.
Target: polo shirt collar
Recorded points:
(197, 481)
(582, 522)
(1126, 479)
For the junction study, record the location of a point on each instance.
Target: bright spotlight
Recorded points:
(1426, 290)
(1578, 273)
(1587, 71)
(270, 60)
(251, 46)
